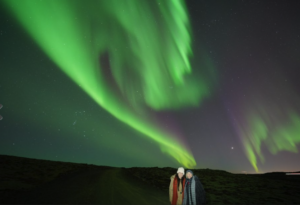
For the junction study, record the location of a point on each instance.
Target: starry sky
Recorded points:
(199, 84)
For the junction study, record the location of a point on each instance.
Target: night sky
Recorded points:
(199, 84)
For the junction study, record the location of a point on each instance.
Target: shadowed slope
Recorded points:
(24, 181)
(100, 185)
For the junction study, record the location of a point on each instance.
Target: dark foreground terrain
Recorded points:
(31, 181)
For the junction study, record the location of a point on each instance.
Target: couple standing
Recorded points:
(186, 190)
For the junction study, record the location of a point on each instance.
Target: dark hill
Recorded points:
(32, 181)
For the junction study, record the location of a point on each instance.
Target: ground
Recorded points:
(29, 181)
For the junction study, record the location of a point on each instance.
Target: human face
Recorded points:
(189, 175)
(180, 175)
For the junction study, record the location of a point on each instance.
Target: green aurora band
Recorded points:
(267, 120)
(148, 44)
(261, 131)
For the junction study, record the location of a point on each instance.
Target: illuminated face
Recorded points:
(189, 175)
(180, 175)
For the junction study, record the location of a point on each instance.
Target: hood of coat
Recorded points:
(173, 176)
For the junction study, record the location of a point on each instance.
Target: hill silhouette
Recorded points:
(28, 181)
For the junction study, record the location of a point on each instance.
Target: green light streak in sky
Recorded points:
(262, 130)
(148, 44)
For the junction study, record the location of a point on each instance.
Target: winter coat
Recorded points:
(194, 192)
(179, 191)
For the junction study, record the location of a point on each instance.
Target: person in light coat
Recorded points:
(176, 189)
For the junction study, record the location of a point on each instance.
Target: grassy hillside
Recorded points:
(29, 177)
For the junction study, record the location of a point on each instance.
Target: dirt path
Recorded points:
(96, 186)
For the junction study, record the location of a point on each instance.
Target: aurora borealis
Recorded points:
(265, 119)
(151, 83)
